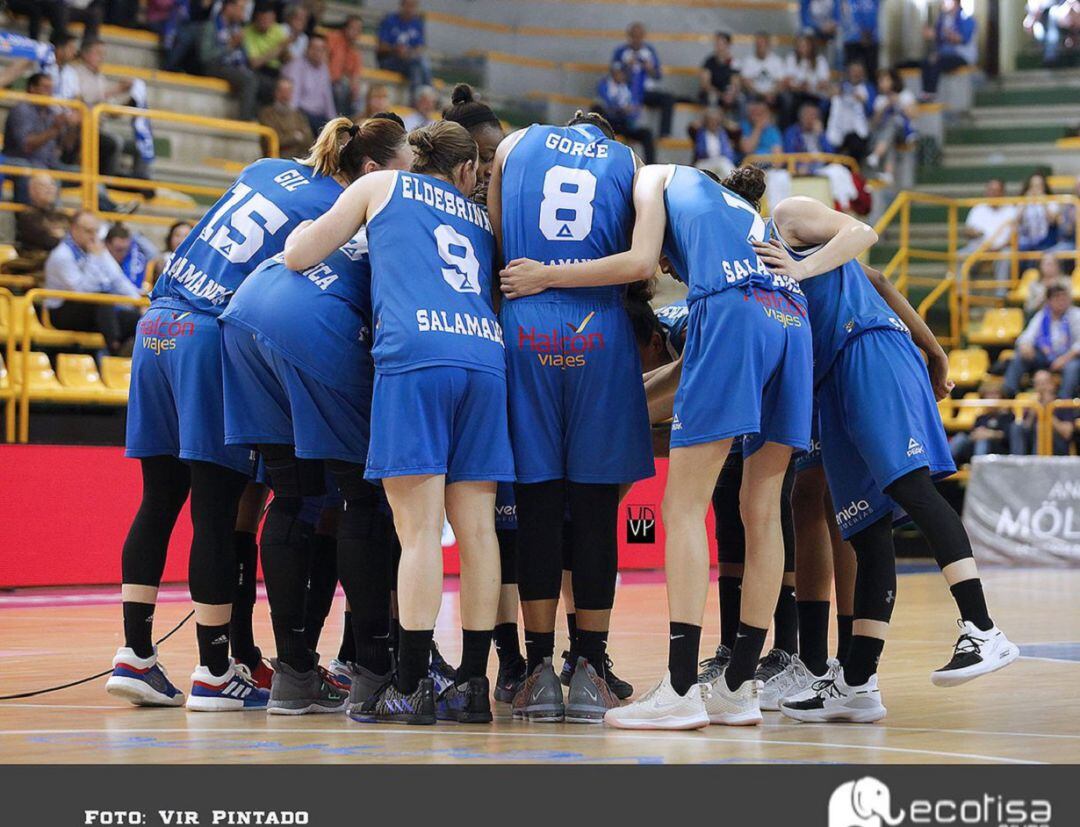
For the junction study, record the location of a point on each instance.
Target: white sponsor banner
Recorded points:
(1024, 511)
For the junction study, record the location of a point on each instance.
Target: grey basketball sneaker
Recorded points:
(364, 685)
(540, 698)
(300, 693)
(590, 696)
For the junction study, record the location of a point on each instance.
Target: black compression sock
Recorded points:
(506, 642)
(843, 636)
(684, 643)
(571, 631)
(322, 584)
(862, 659)
(971, 602)
(730, 607)
(213, 647)
(475, 646)
(414, 657)
(593, 647)
(814, 634)
(744, 655)
(395, 637)
(347, 650)
(786, 622)
(538, 645)
(139, 628)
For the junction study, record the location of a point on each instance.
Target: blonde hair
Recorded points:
(343, 145)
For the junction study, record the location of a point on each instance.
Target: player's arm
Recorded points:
(525, 277)
(937, 361)
(660, 387)
(803, 221)
(494, 194)
(311, 242)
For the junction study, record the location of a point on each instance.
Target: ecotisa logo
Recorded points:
(868, 803)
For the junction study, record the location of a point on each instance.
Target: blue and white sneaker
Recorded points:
(234, 691)
(341, 674)
(442, 674)
(142, 681)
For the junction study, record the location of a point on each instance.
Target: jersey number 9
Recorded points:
(463, 272)
(566, 213)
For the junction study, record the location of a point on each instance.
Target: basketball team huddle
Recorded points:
(453, 325)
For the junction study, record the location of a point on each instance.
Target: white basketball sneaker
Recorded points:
(832, 699)
(142, 681)
(794, 679)
(976, 653)
(661, 708)
(739, 708)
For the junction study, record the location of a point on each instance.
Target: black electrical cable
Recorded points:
(37, 692)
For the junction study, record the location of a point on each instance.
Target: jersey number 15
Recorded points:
(242, 236)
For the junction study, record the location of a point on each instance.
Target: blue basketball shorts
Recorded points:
(440, 420)
(879, 421)
(268, 399)
(747, 370)
(577, 403)
(176, 405)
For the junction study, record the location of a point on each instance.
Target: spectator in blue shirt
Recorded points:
(618, 103)
(642, 66)
(952, 39)
(760, 135)
(818, 18)
(401, 45)
(712, 146)
(859, 30)
(807, 134)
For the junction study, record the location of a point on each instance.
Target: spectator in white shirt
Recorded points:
(1050, 273)
(296, 21)
(65, 78)
(991, 223)
(806, 76)
(763, 71)
(80, 264)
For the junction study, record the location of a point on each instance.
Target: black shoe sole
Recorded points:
(409, 719)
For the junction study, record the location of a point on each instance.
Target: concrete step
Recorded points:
(1062, 160)
(1040, 78)
(975, 174)
(1059, 94)
(986, 135)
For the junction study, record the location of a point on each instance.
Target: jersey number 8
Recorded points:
(242, 237)
(566, 213)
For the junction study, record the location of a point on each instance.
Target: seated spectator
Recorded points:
(291, 125)
(1050, 274)
(642, 66)
(808, 135)
(1051, 341)
(426, 106)
(1024, 431)
(818, 17)
(80, 264)
(1037, 224)
(713, 149)
(890, 122)
(992, 223)
(952, 45)
(377, 100)
(1067, 223)
(55, 11)
(223, 56)
(859, 31)
(62, 71)
(719, 78)
(312, 92)
(849, 113)
(806, 76)
(265, 43)
(990, 434)
(40, 227)
(401, 43)
(132, 251)
(762, 73)
(37, 135)
(173, 238)
(760, 135)
(296, 24)
(617, 103)
(346, 64)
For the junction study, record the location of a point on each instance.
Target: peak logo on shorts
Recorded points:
(851, 512)
(159, 334)
(557, 350)
(914, 448)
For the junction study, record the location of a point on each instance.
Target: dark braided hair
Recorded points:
(464, 109)
(593, 119)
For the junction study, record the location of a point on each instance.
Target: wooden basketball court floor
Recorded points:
(1024, 714)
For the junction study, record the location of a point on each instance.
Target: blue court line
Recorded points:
(1063, 651)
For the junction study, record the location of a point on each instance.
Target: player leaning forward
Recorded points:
(439, 434)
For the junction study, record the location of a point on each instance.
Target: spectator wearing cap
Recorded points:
(291, 125)
(952, 44)
(401, 44)
(1051, 341)
(641, 63)
(346, 64)
(313, 93)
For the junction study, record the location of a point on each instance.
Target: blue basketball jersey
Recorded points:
(842, 304)
(673, 319)
(432, 256)
(318, 319)
(709, 235)
(247, 225)
(567, 196)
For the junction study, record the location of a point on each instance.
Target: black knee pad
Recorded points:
(594, 514)
(290, 476)
(349, 479)
(541, 507)
(875, 580)
(284, 525)
(507, 554)
(916, 493)
(730, 537)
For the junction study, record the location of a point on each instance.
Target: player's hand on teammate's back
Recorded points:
(523, 277)
(775, 256)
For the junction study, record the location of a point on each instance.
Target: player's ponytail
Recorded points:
(343, 146)
(749, 182)
(438, 148)
(469, 112)
(325, 154)
(593, 119)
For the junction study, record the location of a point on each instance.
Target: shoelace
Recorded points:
(244, 671)
(968, 645)
(826, 689)
(771, 666)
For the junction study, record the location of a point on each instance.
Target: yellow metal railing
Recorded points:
(31, 298)
(8, 393)
(1047, 446)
